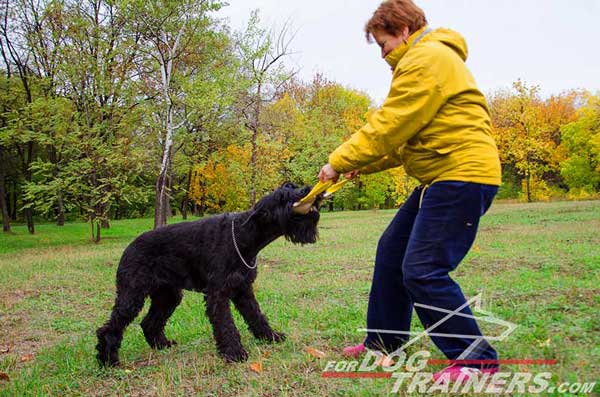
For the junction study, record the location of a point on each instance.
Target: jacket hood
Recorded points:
(448, 37)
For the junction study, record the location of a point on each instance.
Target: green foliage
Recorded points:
(510, 187)
(581, 139)
(546, 147)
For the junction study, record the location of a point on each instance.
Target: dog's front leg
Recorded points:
(247, 305)
(226, 334)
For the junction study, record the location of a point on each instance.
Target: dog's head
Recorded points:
(276, 210)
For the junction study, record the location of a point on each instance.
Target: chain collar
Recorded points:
(238, 250)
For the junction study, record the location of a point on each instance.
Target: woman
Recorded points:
(436, 123)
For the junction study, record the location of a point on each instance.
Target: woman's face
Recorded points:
(388, 42)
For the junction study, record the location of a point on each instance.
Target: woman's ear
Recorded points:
(404, 34)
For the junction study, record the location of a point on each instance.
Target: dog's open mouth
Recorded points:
(308, 207)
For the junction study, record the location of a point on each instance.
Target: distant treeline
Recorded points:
(129, 108)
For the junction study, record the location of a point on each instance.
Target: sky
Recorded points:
(551, 43)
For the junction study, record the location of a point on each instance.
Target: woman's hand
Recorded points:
(327, 173)
(351, 174)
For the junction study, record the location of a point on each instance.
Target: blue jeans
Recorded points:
(414, 256)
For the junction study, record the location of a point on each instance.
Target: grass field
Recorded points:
(538, 265)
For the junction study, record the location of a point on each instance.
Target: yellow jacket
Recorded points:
(435, 121)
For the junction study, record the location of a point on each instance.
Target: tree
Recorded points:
(15, 35)
(523, 135)
(261, 53)
(172, 32)
(211, 91)
(581, 140)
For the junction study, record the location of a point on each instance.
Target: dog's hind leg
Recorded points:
(246, 303)
(128, 304)
(226, 334)
(164, 302)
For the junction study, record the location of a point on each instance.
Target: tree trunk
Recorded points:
(161, 206)
(104, 212)
(5, 215)
(162, 182)
(96, 230)
(184, 208)
(169, 210)
(60, 217)
(255, 132)
(528, 181)
(27, 171)
(13, 201)
(184, 205)
(29, 218)
(160, 213)
(186, 198)
(253, 170)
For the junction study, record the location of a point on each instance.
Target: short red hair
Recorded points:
(393, 15)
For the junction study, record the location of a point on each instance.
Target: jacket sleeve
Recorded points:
(412, 102)
(391, 160)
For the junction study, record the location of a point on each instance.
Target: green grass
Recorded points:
(538, 265)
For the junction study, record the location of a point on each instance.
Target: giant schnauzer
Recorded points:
(215, 256)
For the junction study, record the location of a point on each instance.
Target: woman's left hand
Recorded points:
(327, 173)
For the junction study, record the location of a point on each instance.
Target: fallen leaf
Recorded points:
(546, 343)
(4, 376)
(476, 248)
(4, 349)
(256, 367)
(27, 357)
(384, 361)
(315, 353)
(128, 371)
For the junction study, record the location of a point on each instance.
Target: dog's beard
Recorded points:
(302, 229)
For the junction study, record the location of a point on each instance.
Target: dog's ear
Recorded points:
(261, 211)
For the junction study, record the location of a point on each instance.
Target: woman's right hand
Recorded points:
(351, 174)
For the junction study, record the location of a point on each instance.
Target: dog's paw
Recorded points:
(278, 336)
(235, 355)
(107, 362)
(164, 344)
(273, 337)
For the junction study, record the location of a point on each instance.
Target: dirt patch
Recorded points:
(19, 343)
(24, 332)
(9, 299)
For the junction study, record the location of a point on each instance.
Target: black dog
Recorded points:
(215, 256)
